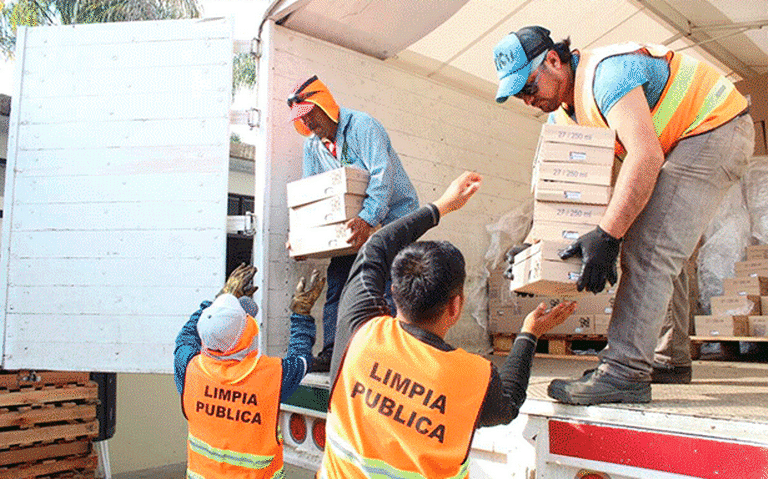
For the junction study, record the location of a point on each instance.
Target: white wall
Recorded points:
(438, 132)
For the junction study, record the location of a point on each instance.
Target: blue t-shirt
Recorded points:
(618, 75)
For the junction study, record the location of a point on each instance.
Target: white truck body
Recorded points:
(94, 277)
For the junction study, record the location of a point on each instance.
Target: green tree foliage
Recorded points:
(243, 72)
(68, 12)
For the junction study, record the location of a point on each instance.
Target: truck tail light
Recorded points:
(318, 433)
(298, 428)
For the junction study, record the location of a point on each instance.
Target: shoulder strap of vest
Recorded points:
(587, 112)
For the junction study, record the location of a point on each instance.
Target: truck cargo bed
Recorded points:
(719, 390)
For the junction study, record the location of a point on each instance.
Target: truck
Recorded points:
(115, 201)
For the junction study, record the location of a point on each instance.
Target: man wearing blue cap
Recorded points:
(684, 135)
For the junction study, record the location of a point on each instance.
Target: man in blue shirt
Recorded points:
(685, 136)
(302, 336)
(339, 137)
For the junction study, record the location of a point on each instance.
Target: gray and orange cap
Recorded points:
(514, 56)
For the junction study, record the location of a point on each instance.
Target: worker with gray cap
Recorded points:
(684, 136)
(230, 392)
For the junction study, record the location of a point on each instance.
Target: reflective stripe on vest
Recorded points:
(375, 468)
(242, 459)
(402, 408)
(233, 409)
(695, 100)
(193, 475)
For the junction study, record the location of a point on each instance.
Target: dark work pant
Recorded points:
(337, 274)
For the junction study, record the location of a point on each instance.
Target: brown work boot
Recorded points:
(597, 387)
(664, 374)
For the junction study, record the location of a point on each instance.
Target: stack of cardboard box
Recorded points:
(319, 207)
(573, 176)
(507, 310)
(743, 308)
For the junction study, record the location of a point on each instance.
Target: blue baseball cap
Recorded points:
(513, 56)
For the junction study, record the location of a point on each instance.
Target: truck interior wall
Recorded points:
(438, 132)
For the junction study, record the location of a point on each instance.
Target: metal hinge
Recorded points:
(250, 117)
(252, 46)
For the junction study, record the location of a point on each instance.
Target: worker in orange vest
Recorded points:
(685, 136)
(230, 392)
(405, 403)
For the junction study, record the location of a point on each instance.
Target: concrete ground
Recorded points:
(176, 471)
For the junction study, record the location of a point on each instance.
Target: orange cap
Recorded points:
(306, 96)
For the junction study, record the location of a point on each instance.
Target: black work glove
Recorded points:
(510, 257)
(598, 251)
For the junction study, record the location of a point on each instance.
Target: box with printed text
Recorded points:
(735, 305)
(759, 251)
(536, 275)
(334, 209)
(572, 192)
(752, 267)
(320, 241)
(568, 213)
(758, 326)
(745, 285)
(556, 231)
(721, 326)
(342, 180)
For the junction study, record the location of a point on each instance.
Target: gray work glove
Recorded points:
(303, 300)
(598, 251)
(240, 281)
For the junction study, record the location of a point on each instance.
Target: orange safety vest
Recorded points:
(696, 98)
(233, 408)
(401, 408)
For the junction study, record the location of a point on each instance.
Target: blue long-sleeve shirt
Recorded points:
(295, 364)
(362, 142)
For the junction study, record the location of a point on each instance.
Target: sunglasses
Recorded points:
(299, 95)
(531, 87)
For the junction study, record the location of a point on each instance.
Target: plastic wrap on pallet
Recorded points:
(756, 185)
(509, 230)
(725, 240)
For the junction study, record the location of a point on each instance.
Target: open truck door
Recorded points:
(116, 192)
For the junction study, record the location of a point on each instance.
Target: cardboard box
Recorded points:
(721, 326)
(333, 209)
(601, 323)
(547, 249)
(745, 285)
(595, 303)
(574, 153)
(536, 275)
(573, 192)
(735, 305)
(764, 305)
(578, 135)
(568, 212)
(758, 326)
(575, 324)
(505, 320)
(556, 231)
(753, 267)
(526, 304)
(320, 241)
(342, 180)
(759, 251)
(575, 173)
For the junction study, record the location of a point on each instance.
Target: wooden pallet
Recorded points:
(554, 345)
(47, 421)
